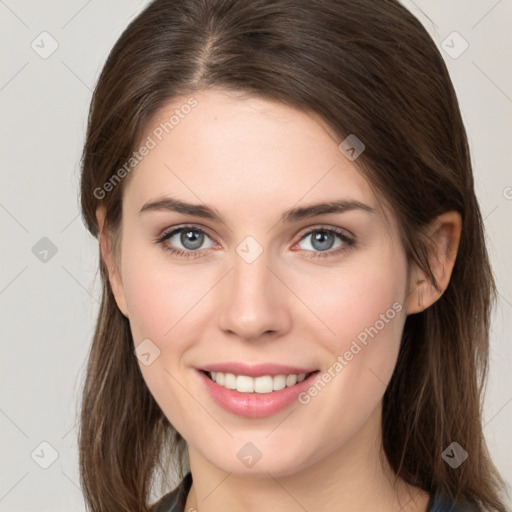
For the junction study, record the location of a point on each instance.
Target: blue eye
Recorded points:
(192, 239)
(323, 240)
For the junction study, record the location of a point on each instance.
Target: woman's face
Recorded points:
(257, 288)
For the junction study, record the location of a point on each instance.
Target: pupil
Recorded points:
(191, 239)
(321, 237)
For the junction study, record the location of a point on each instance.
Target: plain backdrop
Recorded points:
(49, 286)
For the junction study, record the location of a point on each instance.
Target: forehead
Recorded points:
(242, 153)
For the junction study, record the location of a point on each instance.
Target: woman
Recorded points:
(296, 288)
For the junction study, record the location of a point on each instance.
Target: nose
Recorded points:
(255, 303)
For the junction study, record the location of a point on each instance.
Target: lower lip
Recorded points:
(255, 405)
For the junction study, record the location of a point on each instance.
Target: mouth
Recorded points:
(259, 396)
(264, 384)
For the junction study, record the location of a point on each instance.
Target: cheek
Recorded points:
(371, 309)
(360, 306)
(351, 299)
(164, 301)
(164, 305)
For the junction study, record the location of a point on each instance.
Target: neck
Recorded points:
(355, 477)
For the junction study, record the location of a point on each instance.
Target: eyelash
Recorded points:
(348, 242)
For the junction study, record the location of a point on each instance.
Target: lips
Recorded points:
(255, 403)
(257, 370)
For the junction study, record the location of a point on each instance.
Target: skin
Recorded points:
(252, 159)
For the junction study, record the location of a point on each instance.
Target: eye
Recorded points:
(191, 239)
(323, 241)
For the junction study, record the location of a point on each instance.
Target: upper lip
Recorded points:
(256, 370)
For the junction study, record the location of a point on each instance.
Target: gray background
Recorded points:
(48, 308)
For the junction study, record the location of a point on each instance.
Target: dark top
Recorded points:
(175, 500)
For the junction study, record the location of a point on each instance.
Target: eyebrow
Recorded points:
(289, 216)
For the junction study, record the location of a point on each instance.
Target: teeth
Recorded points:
(264, 384)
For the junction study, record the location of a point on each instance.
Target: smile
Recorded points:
(263, 384)
(255, 397)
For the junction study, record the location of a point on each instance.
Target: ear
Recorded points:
(114, 273)
(444, 234)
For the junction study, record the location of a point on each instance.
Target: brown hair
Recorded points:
(367, 68)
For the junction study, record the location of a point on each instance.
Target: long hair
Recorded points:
(368, 68)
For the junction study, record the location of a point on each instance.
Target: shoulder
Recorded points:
(175, 500)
